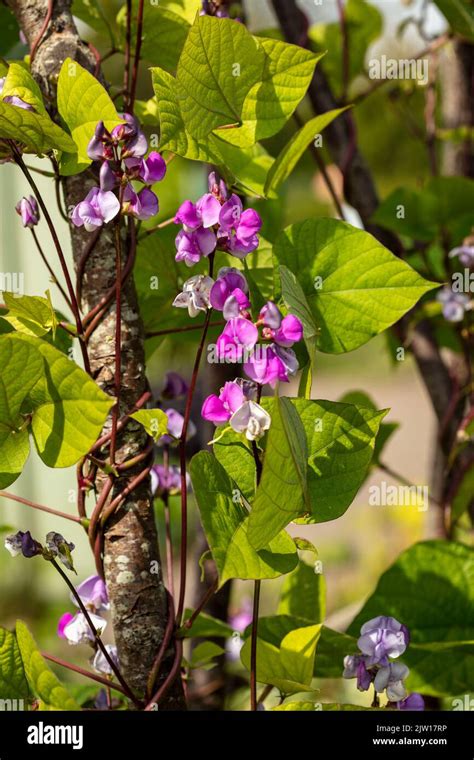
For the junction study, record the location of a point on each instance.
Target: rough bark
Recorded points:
(457, 78)
(130, 555)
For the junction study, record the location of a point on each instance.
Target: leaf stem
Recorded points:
(41, 507)
(87, 673)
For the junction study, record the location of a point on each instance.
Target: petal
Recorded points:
(249, 224)
(187, 214)
(108, 204)
(206, 241)
(232, 396)
(208, 208)
(154, 168)
(230, 213)
(214, 410)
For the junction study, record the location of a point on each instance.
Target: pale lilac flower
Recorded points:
(251, 419)
(28, 209)
(465, 253)
(60, 548)
(149, 170)
(175, 427)
(355, 667)
(390, 678)
(14, 100)
(219, 409)
(237, 228)
(454, 304)
(167, 479)
(381, 638)
(93, 594)
(76, 629)
(22, 543)
(413, 702)
(101, 665)
(195, 295)
(243, 617)
(192, 246)
(97, 208)
(239, 335)
(142, 205)
(175, 386)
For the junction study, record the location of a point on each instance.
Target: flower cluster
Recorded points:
(56, 547)
(383, 638)
(454, 305)
(235, 404)
(215, 221)
(76, 629)
(121, 153)
(266, 362)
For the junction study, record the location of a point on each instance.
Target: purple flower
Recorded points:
(219, 409)
(239, 335)
(27, 208)
(195, 295)
(381, 638)
(285, 331)
(76, 629)
(238, 229)
(93, 594)
(107, 178)
(355, 667)
(251, 419)
(166, 479)
(23, 543)
(14, 100)
(243, 617)
(205, 213)
(391, 677)
(97, 208)
(175, 427)
(175, 386)
(413, 702)
(229, 293)
(101, 665)
(192, 246)
(135, 143)
(268, 364)
(217, 187)
(149, 170)
(142, 205)
(99, 146)
(465, 253)
(454, 304)
(60, 548)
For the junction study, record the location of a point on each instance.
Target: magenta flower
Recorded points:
(219, 409)
(149, 170)
(239, 335)
(238, 229)
(76, 629)
(27, 208)
(265, 366)
(192, 246)
(205, 213)
(97, 208)
(229, 293)
(243, 617)
(142, 205)
(283, 330)
(217, 187)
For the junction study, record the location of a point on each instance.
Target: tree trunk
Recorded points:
(130, 552)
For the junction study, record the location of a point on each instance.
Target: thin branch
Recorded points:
(136, 61)
(41, 507)
(87, 673)
(188, 328)
(50, 269)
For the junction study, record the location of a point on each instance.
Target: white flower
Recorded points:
(251, 419)
(195, 295)
(78, 631)
(100, 664)
(13, 544)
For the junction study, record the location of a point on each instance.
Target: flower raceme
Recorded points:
(75, 628)
(215, 221)
(121, 153)
(383, 638)
(235, 405)
(56, 547)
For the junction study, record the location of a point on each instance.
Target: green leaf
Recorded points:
(13, 683)
(235, 456)
(460, 16)
(317, 707)
(32, 315)
(246, 167)
(225, 522)
(276, 94)
(386, 429)
(294, 149)
(285, 656)
(283, 490)
(41, 678)
(69, 409)
(430, 589)
(91, 12)
(464, 495)
(332, 648)
(203, 656)
(37, 132)
(363, 287)
(21, 84)
(205, 626)
(295, 299)
(82, 103)
(155, 421)
(22, 367)
(219, 64)
(303, 594)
